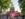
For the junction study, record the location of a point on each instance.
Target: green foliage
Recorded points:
(22, 6)
(4, 4)
(20, 1)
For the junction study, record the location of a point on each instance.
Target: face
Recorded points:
(12, 10)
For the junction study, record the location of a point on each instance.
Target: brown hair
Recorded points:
(12, 8)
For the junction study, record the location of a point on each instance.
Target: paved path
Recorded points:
(5, 17)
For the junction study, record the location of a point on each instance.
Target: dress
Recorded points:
(12, 14)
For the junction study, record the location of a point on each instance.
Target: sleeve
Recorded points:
(7, 14)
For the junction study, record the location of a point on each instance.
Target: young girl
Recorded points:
(12, 13)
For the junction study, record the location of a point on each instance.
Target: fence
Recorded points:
(17, 17)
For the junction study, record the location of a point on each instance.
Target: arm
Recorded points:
(8, 14)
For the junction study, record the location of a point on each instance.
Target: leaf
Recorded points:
(22, 6)
(4, 4)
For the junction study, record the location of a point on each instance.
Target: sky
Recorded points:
(16, 5)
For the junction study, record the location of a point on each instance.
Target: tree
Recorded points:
(22, 2)
(4, 4)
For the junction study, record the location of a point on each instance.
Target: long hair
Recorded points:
(12, 8)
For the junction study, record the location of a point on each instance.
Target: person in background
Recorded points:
(18, 16)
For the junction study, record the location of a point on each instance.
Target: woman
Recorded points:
(12, 13)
